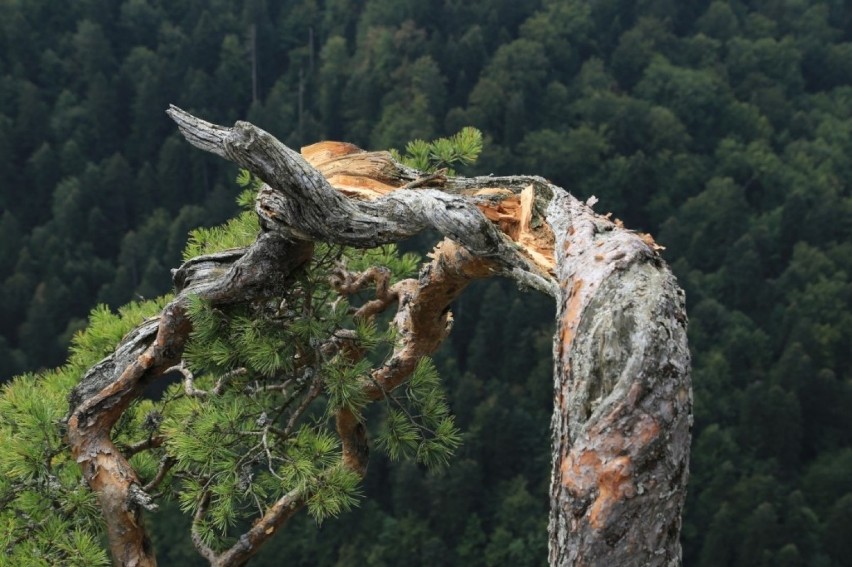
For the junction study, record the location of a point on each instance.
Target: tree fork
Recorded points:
(106, 391)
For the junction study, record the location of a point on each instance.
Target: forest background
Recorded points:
(724, 128)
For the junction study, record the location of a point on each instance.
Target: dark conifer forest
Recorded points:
(723, 128)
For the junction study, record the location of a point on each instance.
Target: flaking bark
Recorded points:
(622, 395)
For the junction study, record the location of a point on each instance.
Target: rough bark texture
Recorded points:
(622, 397)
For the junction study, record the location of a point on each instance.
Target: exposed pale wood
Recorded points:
(339, 160)
(622, 386)
(514, 214)
(370, 175)
(322, 152)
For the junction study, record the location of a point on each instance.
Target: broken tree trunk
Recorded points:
(622, 395)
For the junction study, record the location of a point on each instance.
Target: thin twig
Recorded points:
(166, 463)
(188, 381)
(271, 387)
(269, 457)
(312, 394)
(440, 175)
(203, 549)
(150, 443)
(220, 383)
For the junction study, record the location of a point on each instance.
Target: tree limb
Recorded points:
(298, 201)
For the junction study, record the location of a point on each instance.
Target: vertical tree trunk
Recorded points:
(622, 392)
(622, 397)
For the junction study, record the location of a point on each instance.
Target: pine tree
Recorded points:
(277, 346)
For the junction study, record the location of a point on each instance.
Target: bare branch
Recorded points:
(423, 318)
(197, 540)
(622, 390)
(166, 463)
(188, 381)
(150, 443)
(264, 528)
(224, 378)
(313, 393)
(300, 202)
(347, 283)
(145, 354)
(139, 497)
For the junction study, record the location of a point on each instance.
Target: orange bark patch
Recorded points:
(578, 475)
(646, 431)
(612, 478)
(571, 317)
(614, 485)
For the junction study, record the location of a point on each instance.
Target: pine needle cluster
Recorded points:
(418, 422)
(461, 148)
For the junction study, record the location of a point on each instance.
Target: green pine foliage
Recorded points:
(48, 515)
(462, 148)
(262, 426)
(418, 421)
(238, 446)
(237, 232)
(721, 127)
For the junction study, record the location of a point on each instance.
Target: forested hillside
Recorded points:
(724, 128)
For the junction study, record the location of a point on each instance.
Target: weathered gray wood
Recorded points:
(300, 203)
(622, 398)
(106, 391)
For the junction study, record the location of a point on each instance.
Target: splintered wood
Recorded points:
(369, 175)
(513, 214)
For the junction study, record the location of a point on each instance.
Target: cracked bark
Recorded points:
(622, 394)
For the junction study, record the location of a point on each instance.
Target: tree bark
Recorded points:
(622, 394)
(622, 397)
(144, 355)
